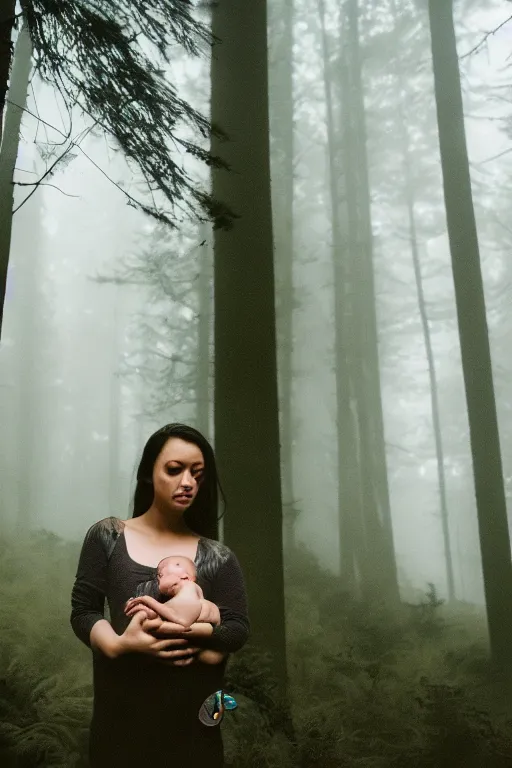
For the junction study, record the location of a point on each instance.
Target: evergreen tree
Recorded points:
(109, 59)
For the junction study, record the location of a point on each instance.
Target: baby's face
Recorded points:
(173, 573)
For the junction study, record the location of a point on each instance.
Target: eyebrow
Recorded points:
(177, 461)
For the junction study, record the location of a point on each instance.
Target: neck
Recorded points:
(162, 520)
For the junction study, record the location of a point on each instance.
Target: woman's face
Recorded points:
(177, 474)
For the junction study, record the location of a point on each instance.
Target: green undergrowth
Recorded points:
(369, 686)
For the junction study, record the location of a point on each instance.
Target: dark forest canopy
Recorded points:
(109, 60)
(96, 56)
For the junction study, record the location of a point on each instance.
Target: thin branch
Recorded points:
(485, 39)
(43, 184)
(494, 157)
(37, 184)
(132, 200)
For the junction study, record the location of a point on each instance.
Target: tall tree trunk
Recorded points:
(353, 554)
(246, 414)
(474, 338)
(204, 332)
(20, 75)
(7, 17)
(434, 396)
(114, 436)
(29, 239)
(376, 503)
(283, 204)
(422, 306)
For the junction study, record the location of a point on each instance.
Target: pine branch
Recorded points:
(94, 53)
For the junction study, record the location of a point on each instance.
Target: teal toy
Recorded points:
(213, 708)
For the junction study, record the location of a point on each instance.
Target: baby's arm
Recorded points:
(166, 611)
(209, 612)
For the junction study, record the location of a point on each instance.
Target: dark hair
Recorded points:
(202, 515)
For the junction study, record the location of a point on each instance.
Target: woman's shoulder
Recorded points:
(211, 556)
(216, 548)
(108, 525)
(104, 534)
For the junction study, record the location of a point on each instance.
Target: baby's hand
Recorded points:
(134, 605)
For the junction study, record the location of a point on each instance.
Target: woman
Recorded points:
(148, 683)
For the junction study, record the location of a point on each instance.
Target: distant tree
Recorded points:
(366, 537)
(96, 56)
(170, 343)
(474, 339)
(410, 188)
(353, 553)
(282, 132)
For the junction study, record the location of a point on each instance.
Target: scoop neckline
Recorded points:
(152, 567)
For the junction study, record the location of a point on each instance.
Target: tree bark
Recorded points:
(474, 338)
(246, 415)
(7, 17)
(20, 75)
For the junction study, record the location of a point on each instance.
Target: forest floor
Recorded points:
(369, 687)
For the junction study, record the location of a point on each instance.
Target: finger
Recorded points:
(174, 642)
(177, 662)
(180, 653)
(152, 624)
(171, 643)
(170, 628)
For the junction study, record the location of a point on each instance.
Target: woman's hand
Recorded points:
(137, 639)
(180, 657)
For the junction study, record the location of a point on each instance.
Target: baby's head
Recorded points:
(172, 572)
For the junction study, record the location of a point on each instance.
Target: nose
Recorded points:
(187, 481)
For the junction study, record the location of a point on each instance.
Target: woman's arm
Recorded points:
(229, 594)
(104, 638)
(88, 595)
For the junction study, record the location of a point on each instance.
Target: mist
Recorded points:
(111, 330)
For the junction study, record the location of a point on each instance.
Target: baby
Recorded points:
(176, 578)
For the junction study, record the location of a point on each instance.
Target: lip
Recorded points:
(182, 498)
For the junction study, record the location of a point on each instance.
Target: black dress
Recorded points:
(145, 710)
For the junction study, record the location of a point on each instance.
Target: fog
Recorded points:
(100, 341)
(84, 343)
